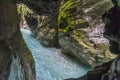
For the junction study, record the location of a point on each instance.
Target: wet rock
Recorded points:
(81, 22)
(86, 54)
(87, 40)
(44, 23)
(12, 45)
(96, 73)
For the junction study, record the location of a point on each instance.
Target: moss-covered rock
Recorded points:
(86, 53)
(87, 44)
(70, 17)
(79, 19)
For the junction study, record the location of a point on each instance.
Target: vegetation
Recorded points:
(70, 16)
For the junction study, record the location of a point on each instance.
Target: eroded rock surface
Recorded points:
(44, 23)
(78, 19)
(84, 29)
(12, 45)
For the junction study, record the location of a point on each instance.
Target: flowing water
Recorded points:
(50, 63)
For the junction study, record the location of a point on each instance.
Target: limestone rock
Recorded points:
(44, 23)
(87, 40)
(85, 54)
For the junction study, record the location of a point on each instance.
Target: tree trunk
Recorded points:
(12, 46)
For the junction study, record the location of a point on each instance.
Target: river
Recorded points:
(50, 63)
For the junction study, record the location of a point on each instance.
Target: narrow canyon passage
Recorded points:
(50, 63)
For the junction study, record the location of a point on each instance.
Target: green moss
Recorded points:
(70, 14)
(79, 33)
(23, 11)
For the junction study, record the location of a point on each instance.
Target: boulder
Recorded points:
(96, 73)
(84, 53)
(84, 28)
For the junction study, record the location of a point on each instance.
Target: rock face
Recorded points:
(44, 23)
(83, 25)
(106, 71)
(12, 46)
(84, 53)
(109, 70)
(69, 46)
(96, 73)
(93, 11)
(78, 19)
(46, 30)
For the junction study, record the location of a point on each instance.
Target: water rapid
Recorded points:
(50, 63)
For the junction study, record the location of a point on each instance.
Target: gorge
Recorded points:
(64, 40)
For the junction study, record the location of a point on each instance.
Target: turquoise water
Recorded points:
(50, 63)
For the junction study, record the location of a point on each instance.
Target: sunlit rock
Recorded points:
(84, 39)
(43, 23)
